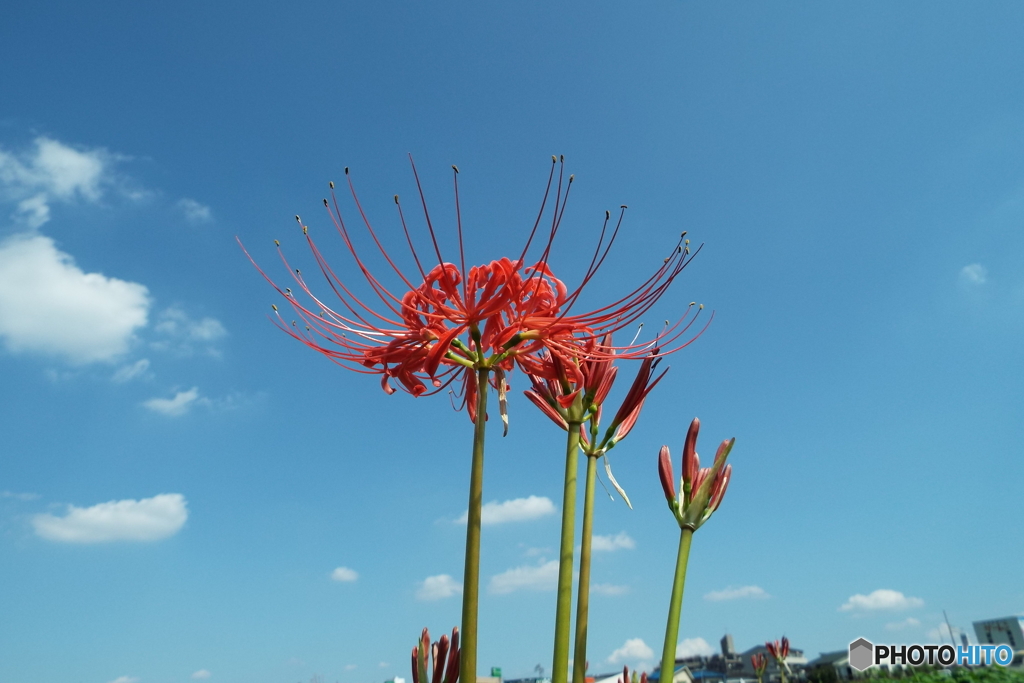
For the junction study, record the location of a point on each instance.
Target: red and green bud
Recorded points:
(665, 474)
(432, 669)
(703, 489)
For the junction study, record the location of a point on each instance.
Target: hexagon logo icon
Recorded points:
(861, 654)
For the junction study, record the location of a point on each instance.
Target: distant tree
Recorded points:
(824, 673)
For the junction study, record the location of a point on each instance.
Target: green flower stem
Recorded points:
(668, 654)
(560, 667)
(471, 579)
(579, 666)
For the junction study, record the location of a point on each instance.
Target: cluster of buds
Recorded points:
(568, 391)
(760, 664)
(637, 677)
(440, 652)
(779, 651)
(702, 489)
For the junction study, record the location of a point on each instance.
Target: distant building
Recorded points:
(1004, 631)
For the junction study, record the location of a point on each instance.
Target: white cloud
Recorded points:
(737, 592)
(51, 171)
(126, 679)
(177, 406)
(384, 665)
(974, 274)
(632, 650)
(542, 577)
(516, 510)
(612, 543)
(351, 667)
(881, 599)
(200, 675)
(691, 647)
(909, 622)
(194, 211)
(127, 373)
(438, 588)
(608, 589)
(49, 305)
(149, 519)
(344, 574)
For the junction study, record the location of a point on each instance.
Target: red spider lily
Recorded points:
(702, 489)
(778, 650)
(440, 651)
(453, 320)
(583, 387)
(579, 397)
(759, 662)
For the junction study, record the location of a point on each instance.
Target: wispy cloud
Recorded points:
(126, 679)
(612, 543)
(49, 305)
(344, 574)
(176, 406)
(736, 593)
(126, 373)
(148, 519)
(194, 211)
(438, 588)
(180, 333)
(608, 589)
(974, 274)
(200, 675)
(543, 577)
(22, 497)
(515, 510)
(909, 622)
(880, 600)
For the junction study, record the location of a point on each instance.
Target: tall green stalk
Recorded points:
(579, 667)
(560, 666)
(668, 654)
(471, 578)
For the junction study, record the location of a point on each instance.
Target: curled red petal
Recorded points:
(547, 409)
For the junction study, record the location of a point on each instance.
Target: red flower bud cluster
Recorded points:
(578, 389)
(440, 652)
(778, 650)
(637, 678)
(760, 664)
(702, 489)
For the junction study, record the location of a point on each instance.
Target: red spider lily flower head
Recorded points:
(759, 662)
(778, 650)
(576, 391)
(451, 320)
(440, 652)
(702, 490)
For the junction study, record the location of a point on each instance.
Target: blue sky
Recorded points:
(188, 494)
